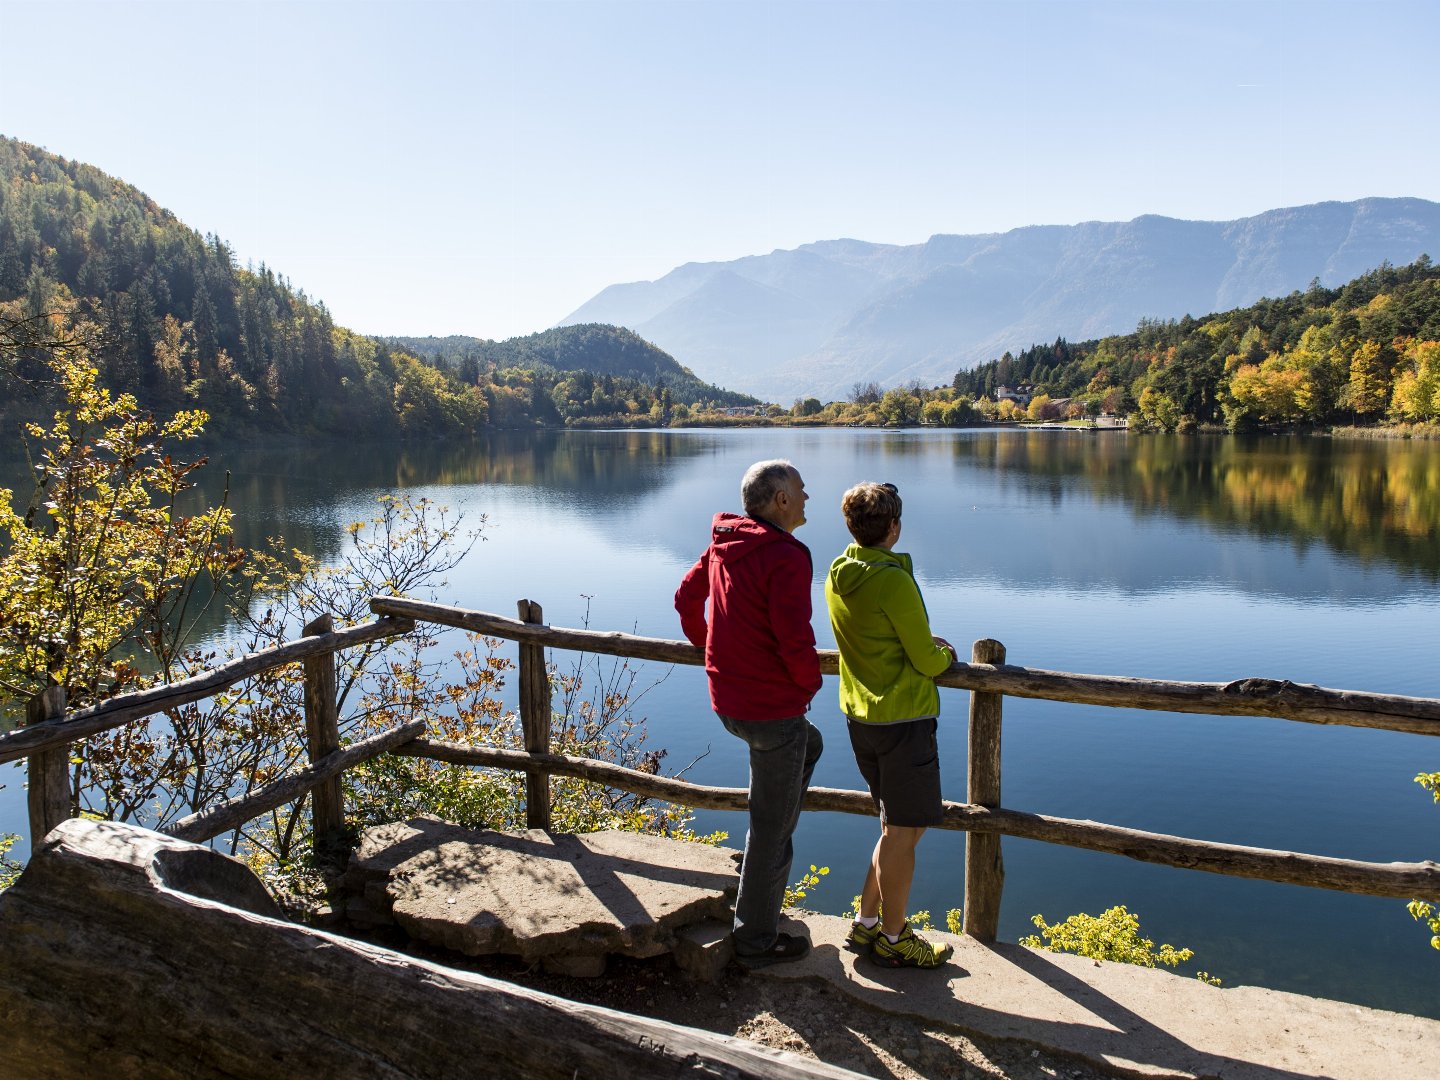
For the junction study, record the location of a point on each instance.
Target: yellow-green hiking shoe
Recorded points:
(862, 937)
(910, 951)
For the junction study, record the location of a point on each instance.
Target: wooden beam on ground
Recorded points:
(129, 954)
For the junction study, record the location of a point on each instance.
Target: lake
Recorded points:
(1190, 558)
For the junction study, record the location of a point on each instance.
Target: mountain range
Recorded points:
(822, 317)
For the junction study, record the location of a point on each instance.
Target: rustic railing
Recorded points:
(49, 732)
(990, 679)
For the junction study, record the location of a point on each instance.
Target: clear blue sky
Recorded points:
(484, 168)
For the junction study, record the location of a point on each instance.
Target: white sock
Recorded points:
(868, 923)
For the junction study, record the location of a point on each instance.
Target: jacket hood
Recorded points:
(857, 565)
(733, 536)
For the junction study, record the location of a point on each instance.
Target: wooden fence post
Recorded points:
(984, 868)
(322, 731)
(49, 770)
(535, 719)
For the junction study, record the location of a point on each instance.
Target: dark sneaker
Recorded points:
(862, 937)
(787, 947)
(910, 951)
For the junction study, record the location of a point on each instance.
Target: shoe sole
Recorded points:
(902, 962)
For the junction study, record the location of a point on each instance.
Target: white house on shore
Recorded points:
(1020, 395)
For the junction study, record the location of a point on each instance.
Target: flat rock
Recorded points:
(536, 894)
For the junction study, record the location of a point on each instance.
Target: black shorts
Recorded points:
(901, 763)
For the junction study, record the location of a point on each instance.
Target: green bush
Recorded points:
(1115, 936)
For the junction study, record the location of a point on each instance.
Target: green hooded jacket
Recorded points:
(888, 656)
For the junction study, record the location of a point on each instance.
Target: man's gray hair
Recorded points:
(762, 480)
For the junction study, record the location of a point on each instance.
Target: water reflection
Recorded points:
(1204, 558)
(291, 488)
(1372, 500)
(1059, 510)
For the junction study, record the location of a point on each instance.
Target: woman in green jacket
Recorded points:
(888, 663)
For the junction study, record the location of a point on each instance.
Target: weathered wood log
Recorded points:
(601, 772)
(535, 718)
(984, 867)
(606, 643)
(131, 955)
(48, 772)
(231, 815)
(127, 707)
(1241, 697)
(1396, 879)
(322, 734)
(1277, 698)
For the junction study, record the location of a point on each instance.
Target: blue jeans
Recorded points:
(783, 754)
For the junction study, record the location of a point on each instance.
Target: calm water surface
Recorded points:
(1176, 558)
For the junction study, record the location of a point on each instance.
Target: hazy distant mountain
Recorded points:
(817, 319)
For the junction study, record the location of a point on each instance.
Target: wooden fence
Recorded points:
(46, 739)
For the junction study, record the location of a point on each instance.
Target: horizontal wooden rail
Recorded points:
(1403, 880)
(1397, 879)
(1243, 697)
(219, 819)
(605, 642)
(1277, 698)
(1247, 697)
(125, 708)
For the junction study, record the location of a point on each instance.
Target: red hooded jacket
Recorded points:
(759, 647)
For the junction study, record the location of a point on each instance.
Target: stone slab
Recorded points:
(534, 894)
(1132, 1020)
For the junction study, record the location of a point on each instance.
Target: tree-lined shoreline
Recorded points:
(170, 317)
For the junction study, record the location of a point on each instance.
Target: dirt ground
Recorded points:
(815, 1020)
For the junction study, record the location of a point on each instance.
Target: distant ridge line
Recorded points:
(827, 314)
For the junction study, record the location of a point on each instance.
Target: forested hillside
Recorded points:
(1363, 353)
(588, 372)
(170, 316)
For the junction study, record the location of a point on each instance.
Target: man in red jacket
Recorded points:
(760, 658)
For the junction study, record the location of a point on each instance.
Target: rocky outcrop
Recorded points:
(565, 900)
(129, 954)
